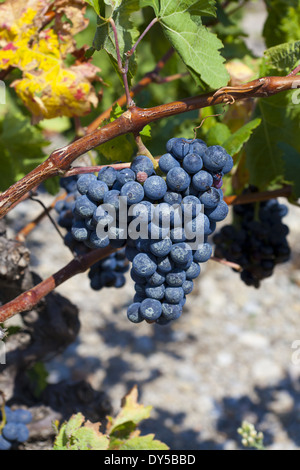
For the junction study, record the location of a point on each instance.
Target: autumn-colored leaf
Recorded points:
(47, 87)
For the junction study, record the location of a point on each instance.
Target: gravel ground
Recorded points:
(228, 358)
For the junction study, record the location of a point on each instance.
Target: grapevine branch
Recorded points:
(27, 300)
(132, 121)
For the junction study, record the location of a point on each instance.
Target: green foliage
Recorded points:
(234, 143)
(283, 22)
(195, 44)
(21, 147)
(126, 32)
(280, 115)
(38, 375)
(121, 432)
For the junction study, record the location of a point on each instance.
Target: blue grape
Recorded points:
(155, 187)
(176, 277)
(150, 309)
(157, 292)
(69, 183)
(84, 207)
(112, 198)
(178, 179)
(84, 181)
(165, 265)
(174, 295)
(171, 311)
(96, 242)
(143, 210)
(210, 199)
(198, 146)
(97, 190)
(144, 265)
(202, 180)
(108, 175)
(192, 163)
(163, 214)
(181, 253)
(125, 175)
(137, 278)
(133, 313)
(203, 253)
(157, 231)
(141, 163)
(215, 158)
(10, 431)
(172, 198)
(133, 191)
(191, 206)
(22, 432)
(161, 248)
(199, 226)
(143, 245)
(187, 286)
(180, 148)
(219, 213)
(228, 165)
(193, 271)
(177, 235)
(4, 444)
(167, 162)
(80, 231)
(157, 279)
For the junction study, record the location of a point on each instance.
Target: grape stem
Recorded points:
(235, 266)
(133, 121)
(123, 69)
(25, 231)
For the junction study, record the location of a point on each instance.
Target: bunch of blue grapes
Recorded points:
(14, 428)
(164, 260)
(108, 272)
(257, 239)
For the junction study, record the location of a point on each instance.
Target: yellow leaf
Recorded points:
(47, 88)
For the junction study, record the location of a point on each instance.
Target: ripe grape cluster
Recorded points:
(14, 430)
(257, 239)
(129, 208)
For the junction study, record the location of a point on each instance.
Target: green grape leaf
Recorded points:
(95, 4)
(283, 22)
(291, 159)
(143, 443)
(21, 148)
(120, 149)
(280, 60)
(198, 48)
(127, 35)
(196, 7)
(280, 114)
(235, 142)
(217, 134)
(280, 124)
